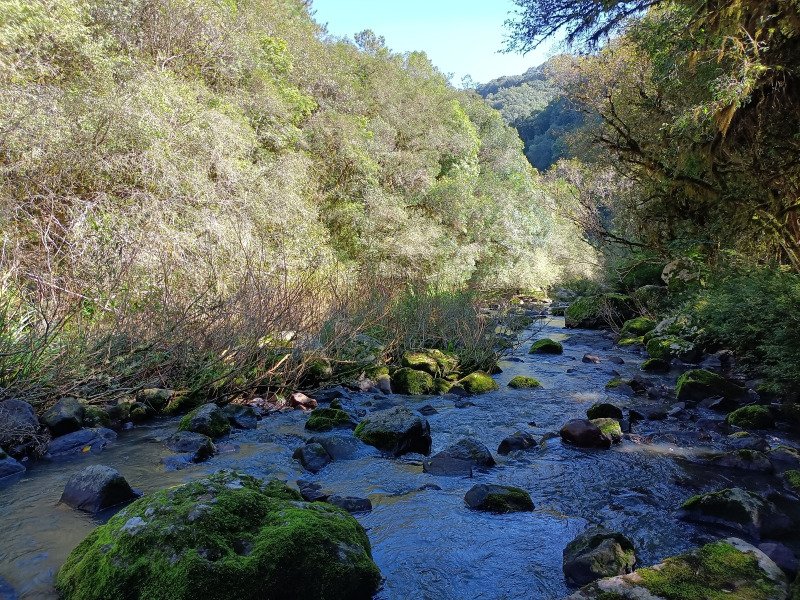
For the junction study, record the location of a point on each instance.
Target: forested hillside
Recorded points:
(181, 178)
(533, 105)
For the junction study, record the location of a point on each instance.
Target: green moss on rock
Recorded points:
(666, 348)
(441, 386)
(658, 365)
(594, 312)
(635, 341)
(546, 346)
(325, 419)
(601, 410)
(229, 536)
(611, 427)
(522, 382)
(409, 381)
(637, 327)
(698, 384)
(752, 417)
(478, 383)
(792, 478)
(208, 419)
(96, 417)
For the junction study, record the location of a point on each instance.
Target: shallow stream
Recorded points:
(427, 543)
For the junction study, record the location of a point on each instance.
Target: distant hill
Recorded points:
(531, 104)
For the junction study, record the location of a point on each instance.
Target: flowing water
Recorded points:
(425, 540)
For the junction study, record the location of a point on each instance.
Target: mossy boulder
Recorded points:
(727, 569)
(595, 312)
(657, 365)
(667, 348)
(478, 383)
(396, 430)
(412, 382)
(521, 382)
(326, 419)
(610, 427)
(64, 417)
(181, 403)
(752, 417)
(156, 398)
(634, 341)
(601, 410)
(208, 419)
(498, 498)
(441, 386)
(546, 346)
(596, 553)
(94, 416)
(792, 479)
(736, 509)
(431, 360)
(228, 536)
(637, 327)
(699, 384)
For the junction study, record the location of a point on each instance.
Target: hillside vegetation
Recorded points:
(190, 187)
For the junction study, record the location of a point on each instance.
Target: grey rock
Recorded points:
(95, 488)
(585, 434)
(241, 416)
(341, 447)
(443, 463)
(351, 504)
(311, 491)
(397, 430)
(591, 358)
(781, 555)
(746, 460)
(498, 498)
(64, 417)
(597, 553)
(198, 445)
(209, 420)
(9, 466)
(428, 410)
(77, 442)
(519, 440)
(313, 457)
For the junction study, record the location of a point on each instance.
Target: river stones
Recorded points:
(9, 466)
(585, 434)
(742, 440)
(65, 416)
(746, 460)
(601, 410)
(327, 419)
(498, 498)
(241, 416)
(597, 553)
(519, 440)
(521, 382)
(313, 457)
(229, 535)
(198, 445)
(729, 567)
(343, 447)
(478, 383)
(411, 382)
(784, 457)
(155, 398)
(699, 384)
(95, 488)
(351, 504)
(396, 430)
(208, 419)
(737, 509)
(459, 458)
(83, 440)
(546, 346)
(20, 431)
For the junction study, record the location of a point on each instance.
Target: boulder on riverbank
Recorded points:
(96, 488)
(597, 553)
(226, 536)
(729, 568)
(737, 509)
(699, 384)
(21, 434)
(752, 417)
(81, 441)
(396, 430)
(64, 417)
(208, 419)
(498, 498)
(411, 382)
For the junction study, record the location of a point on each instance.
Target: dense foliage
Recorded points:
(182, 180)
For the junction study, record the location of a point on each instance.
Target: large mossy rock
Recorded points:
(596, 312)
(432, 361)
(609, 427)
(546, 346)
(752, 417)
(478, 383)
(597, 553)
(498, 498)
(727, 569)
(228, 536)
(396, 430)
(637, 327)
(522, 382)
(667, 348)
(326, 419)
(208, 419)
(412, 382)
(699, 384)
(737, 509)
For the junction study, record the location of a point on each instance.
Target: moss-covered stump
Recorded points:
(228, 536)
(637, 327)
(595, 312)
(610, 427)
(597, 553)
(699, 384)
(411, 382)
(521, 382)
(478, 383)
(208, 419)
(326, 419)
(602, 410)
(546, 346)
(752, 417)
(722, 570)
(657, 365)
(498, 499)
(396, 430)
(736, 509)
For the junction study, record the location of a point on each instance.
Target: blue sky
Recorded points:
(459, 36)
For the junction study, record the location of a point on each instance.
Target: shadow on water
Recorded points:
(425, 540)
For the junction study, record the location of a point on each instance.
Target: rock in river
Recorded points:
(498, 498)
(597, 553)
(198, 445)
(83, 440)
(208, 419)
(459, 458)
(584, 433)
(65, 416)
(228, 536)
(396, 430)
(313, 457)
(95, 488)
(519, 440)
